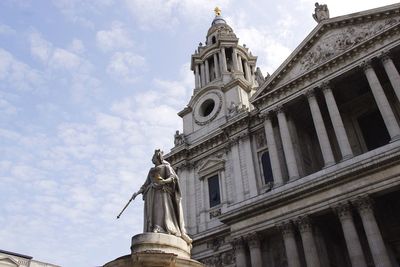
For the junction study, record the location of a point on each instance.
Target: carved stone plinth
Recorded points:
(156, 249)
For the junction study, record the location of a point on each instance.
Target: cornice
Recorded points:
(312, 186)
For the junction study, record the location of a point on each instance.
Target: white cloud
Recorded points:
(124, 66)
(40, 48)
(16, 74)
(115, 38)
(6, 30)
(59, 62)
(77, 46)
(7, 108)
(79, 11)
(167, 14)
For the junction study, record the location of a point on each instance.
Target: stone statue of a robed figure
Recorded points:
(164, 241)
(162, 200)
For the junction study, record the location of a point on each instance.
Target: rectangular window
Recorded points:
(266, 168)
(213, 191)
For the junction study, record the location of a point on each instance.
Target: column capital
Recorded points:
(238, 243)
(265, 115)
(364, 204)
(366, 64)
(286, 228)
(343, 210)
(280, 109)
(384, 55)
(310, 93)
(325, 86)
(253, 240)
(304, 223)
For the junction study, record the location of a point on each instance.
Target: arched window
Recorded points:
(266, 168)
(213, 40)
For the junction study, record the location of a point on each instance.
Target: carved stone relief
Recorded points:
(338, 41)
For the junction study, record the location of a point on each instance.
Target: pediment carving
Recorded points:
(336, 42)
(209, 166)
(8, 262)
(335, 38)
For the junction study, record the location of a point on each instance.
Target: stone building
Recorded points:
(300, 168)
(12, 259)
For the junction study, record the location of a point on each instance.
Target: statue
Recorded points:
(259, 76)
(162, 200)
(179, 138)
(321, 12)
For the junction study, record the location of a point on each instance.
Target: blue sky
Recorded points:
(88, 90)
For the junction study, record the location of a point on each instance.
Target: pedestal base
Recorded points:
(156, 250)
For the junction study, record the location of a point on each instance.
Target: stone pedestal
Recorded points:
(155, 249)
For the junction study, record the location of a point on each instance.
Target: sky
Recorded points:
(88, 90)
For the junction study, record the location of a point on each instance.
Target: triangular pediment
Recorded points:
(210, 166)
(8, 262)
(331, 39)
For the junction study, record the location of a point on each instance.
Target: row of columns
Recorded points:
(375, 241)
(202, 70)
(253, 242)
(335, 117)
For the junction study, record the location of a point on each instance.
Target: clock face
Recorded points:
(207, 108)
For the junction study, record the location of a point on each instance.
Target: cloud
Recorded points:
(77, 46)
(115, 38)
(40, 48)
(15, 74)
(79, 11)
(168, 14)
(125, 66)
(67, 65)
(6, 30)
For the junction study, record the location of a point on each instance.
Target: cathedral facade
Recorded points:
(302, 167)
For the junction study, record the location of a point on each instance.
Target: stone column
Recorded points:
(197, 76)
(240, 63)
(310, 249)
(272, 149)
(391, 72)
(202, 74)
(240, 252)
(207, 70)
(374, 237)
(223, 60)
(216, 66)
(338, 126)
(235, 59)
(350, 235)
(287, 145)
(253, 241)
(319, 125)
(247, 71)
(292, 254)
(382, 102)
(237, 177)
(248, 154)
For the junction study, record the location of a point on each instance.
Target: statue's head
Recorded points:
(157, 157)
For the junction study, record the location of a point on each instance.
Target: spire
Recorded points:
(218, 18)
(217, 11)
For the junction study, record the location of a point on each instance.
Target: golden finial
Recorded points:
(217, 11)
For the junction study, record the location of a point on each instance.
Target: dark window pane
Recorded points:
(266, 166)
(373, 130)
(213, 191)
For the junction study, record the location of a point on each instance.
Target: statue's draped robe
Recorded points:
(162, 203)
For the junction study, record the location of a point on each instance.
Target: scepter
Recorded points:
(127, 204)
